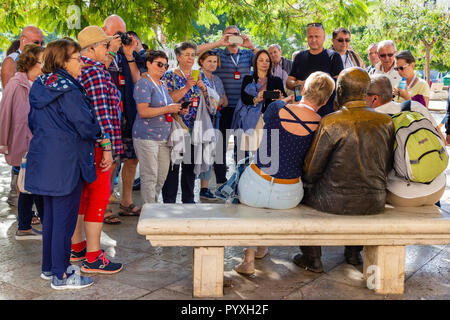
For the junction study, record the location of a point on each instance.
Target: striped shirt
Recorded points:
(105, 99)
(243, 61)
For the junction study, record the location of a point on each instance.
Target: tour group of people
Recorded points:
(76, 113)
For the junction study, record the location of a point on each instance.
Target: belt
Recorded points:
(272, 179)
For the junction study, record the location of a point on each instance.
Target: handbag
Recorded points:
(251, 142)
(21, 177)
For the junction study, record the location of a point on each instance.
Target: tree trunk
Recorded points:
(427, 63)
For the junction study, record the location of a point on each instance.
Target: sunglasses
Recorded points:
(160, 65)
(234, 33)
(211, 53)
(401, 68)
(315, 24)
(390, 55)
(40, 43)
(342, 40)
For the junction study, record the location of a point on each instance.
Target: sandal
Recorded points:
(128, 211)
(110, 218)
(35, 220)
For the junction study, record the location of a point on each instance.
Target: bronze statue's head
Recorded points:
(352, 85)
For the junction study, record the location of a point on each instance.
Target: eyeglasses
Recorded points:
(315, 24)
(40, 43)
(160, 65)
(390, 55)
(342, 40)
(76, 58)
(401, 68)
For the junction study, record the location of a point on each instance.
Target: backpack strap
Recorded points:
(406, 105)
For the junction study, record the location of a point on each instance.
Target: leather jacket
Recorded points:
(346, 167)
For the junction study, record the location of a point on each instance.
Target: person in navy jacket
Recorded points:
(61, 156)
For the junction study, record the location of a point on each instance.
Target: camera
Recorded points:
(126, 39)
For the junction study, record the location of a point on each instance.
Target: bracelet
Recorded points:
(104, 150)
(131, 61)
(105, 144)
(113, 54)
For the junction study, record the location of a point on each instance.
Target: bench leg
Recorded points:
(207, 272)
(384, 268)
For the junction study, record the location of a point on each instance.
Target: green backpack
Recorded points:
(419, 151)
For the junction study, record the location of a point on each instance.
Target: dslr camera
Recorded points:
(126, 39)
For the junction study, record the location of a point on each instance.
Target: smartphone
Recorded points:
(235, 39)
(271, 94)
(195, 74)
(185, 104)
(298, 92)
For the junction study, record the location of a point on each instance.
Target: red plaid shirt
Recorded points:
(105, 99)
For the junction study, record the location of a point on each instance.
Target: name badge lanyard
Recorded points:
(411, 83)
(237, 74)
(161, 91)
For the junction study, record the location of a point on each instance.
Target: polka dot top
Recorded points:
(288, 135)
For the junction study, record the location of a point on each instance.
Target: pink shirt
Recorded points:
(15, 134)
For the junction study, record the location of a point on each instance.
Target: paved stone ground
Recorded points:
(153, 273)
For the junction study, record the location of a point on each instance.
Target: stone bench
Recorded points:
(210, 227)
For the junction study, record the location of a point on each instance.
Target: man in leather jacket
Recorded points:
(346, 167)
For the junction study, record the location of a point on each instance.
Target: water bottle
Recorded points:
(402, 84)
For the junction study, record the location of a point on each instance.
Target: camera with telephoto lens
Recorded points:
(126, 39)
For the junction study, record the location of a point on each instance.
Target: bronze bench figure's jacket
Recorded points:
(346, 167)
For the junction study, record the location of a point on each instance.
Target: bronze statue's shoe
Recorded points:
(261, 252)
(353, 257)
(308, 263)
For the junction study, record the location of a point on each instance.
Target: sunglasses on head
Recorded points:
(390, 55)
(160, 65)
(314, 24)
(401, 68)
(342, 40)
(211, 53)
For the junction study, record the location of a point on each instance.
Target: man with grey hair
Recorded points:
(386, 51)
(281, 67)
(372, 54)
(400, 191)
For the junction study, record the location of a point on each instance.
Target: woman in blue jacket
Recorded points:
(61, 156)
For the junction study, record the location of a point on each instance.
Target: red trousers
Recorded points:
(95, 195)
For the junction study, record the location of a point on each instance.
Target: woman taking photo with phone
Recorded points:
(151, 128)
(183, 87)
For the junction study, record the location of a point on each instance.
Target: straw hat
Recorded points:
(91, 35)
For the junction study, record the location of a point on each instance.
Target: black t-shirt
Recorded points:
(328, 61)
(305, 63)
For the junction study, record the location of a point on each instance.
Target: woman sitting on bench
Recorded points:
(273, 179)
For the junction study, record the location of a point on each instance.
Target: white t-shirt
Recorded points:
(393, 75)
(346, 60)
(398, 185)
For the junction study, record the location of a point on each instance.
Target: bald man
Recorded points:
(30, 34)
(124, 69)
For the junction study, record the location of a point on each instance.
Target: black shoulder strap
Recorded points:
(406, 105)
